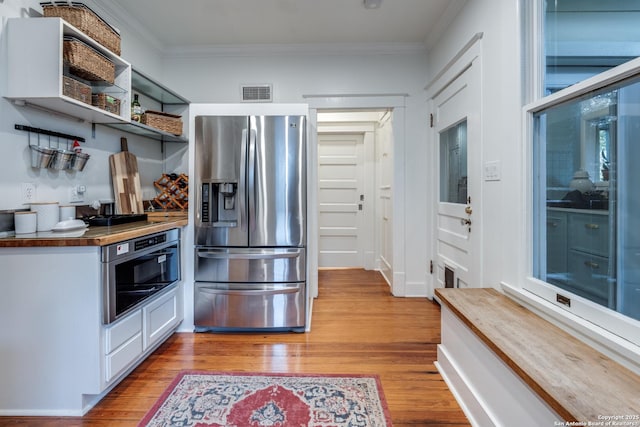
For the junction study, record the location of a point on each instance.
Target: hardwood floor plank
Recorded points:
(358, 327)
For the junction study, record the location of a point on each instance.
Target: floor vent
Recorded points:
(257, 93)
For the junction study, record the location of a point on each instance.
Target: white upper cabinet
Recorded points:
(37, 71)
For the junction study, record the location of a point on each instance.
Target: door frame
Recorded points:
(367, 242)
(469, 56)
(396, 103)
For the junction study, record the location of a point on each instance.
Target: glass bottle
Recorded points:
(136, 109)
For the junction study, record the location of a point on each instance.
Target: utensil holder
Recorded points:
(61, 159)
(79, 161)
(41, 156)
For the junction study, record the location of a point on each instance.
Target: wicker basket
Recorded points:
(84, 19)
(106, 102)
(170, 123)
(87, 63)
(76, 90)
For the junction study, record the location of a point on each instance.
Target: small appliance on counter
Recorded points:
(115, 219)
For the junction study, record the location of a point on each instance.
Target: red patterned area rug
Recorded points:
(199, 399)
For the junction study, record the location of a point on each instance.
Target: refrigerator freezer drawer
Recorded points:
(249, 306)
(250, 265)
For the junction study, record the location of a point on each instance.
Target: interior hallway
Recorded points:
(357, 328)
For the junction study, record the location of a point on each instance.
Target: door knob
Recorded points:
(468, 210)
(465, 221)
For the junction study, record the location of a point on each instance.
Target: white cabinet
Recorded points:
(161, 317)
(123, 344)
(57, 357)
(129, 340)
(588, 258)
(578, 253)
(556, 246)
(36, 70)
(37, 74)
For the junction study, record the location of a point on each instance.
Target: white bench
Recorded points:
(507, 366)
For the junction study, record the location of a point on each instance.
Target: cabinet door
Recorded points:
(589, 233)
(589, 277)
(556, 247)
(160, 317)
(123, 345)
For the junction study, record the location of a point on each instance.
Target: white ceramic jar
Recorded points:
(25, 222)
(67, 212)
(48, 215)
(581, 182)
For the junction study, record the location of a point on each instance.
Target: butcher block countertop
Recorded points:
(95, 235)
(578, 382)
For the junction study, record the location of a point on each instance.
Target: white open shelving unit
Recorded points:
(36, 69)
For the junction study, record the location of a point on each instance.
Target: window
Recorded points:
(585, 197)
(453, 164)
(584, 147)
(585, 38)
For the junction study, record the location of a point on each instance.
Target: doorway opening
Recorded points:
(355, 173)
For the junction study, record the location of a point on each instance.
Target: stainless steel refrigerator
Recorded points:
(250, 224)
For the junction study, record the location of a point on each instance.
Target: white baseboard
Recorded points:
(471, 407)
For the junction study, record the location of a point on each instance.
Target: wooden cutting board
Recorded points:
(126, 181)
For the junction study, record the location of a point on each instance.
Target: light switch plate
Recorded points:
(75, 195)
(28, 192)
(492, 170)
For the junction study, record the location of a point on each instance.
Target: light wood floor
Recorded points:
(357, 328)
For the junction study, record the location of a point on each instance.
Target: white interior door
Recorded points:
(341, 190)
(458, 199)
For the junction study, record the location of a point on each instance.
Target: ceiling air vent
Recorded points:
(257, 93)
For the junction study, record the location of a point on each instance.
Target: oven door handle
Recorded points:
(148, 291)
(251, 292)
(247, 255)
(152, 255)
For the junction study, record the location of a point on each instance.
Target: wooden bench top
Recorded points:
(578, 382)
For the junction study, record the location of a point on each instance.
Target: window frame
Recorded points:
(609, 324)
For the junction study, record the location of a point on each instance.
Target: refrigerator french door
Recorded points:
(250, 227)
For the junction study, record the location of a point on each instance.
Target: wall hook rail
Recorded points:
(49, 133)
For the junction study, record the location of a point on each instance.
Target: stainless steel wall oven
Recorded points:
(135, 270)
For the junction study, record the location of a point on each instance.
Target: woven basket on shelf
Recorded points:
(106, 102)
(87, 21)
(76, 90)
(170, 123)
(86, 62)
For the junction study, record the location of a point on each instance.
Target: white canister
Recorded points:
(25, 222)
(581, 181)
(67, 212)
(48, 215)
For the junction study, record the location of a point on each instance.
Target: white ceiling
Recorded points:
(173, 24)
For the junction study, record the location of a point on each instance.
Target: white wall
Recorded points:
(498, 20)
(209, 76)
(384, 194)
(504, 202)
(54, 185)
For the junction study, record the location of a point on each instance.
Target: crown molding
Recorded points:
(302, 49)
(443, 23)
(112, 12)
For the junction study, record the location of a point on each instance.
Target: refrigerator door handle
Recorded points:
(252, 176)
(252, 292)
(226, 255)
(243, 182)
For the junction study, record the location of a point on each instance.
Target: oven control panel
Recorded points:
(149, 241)
(136, 247)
